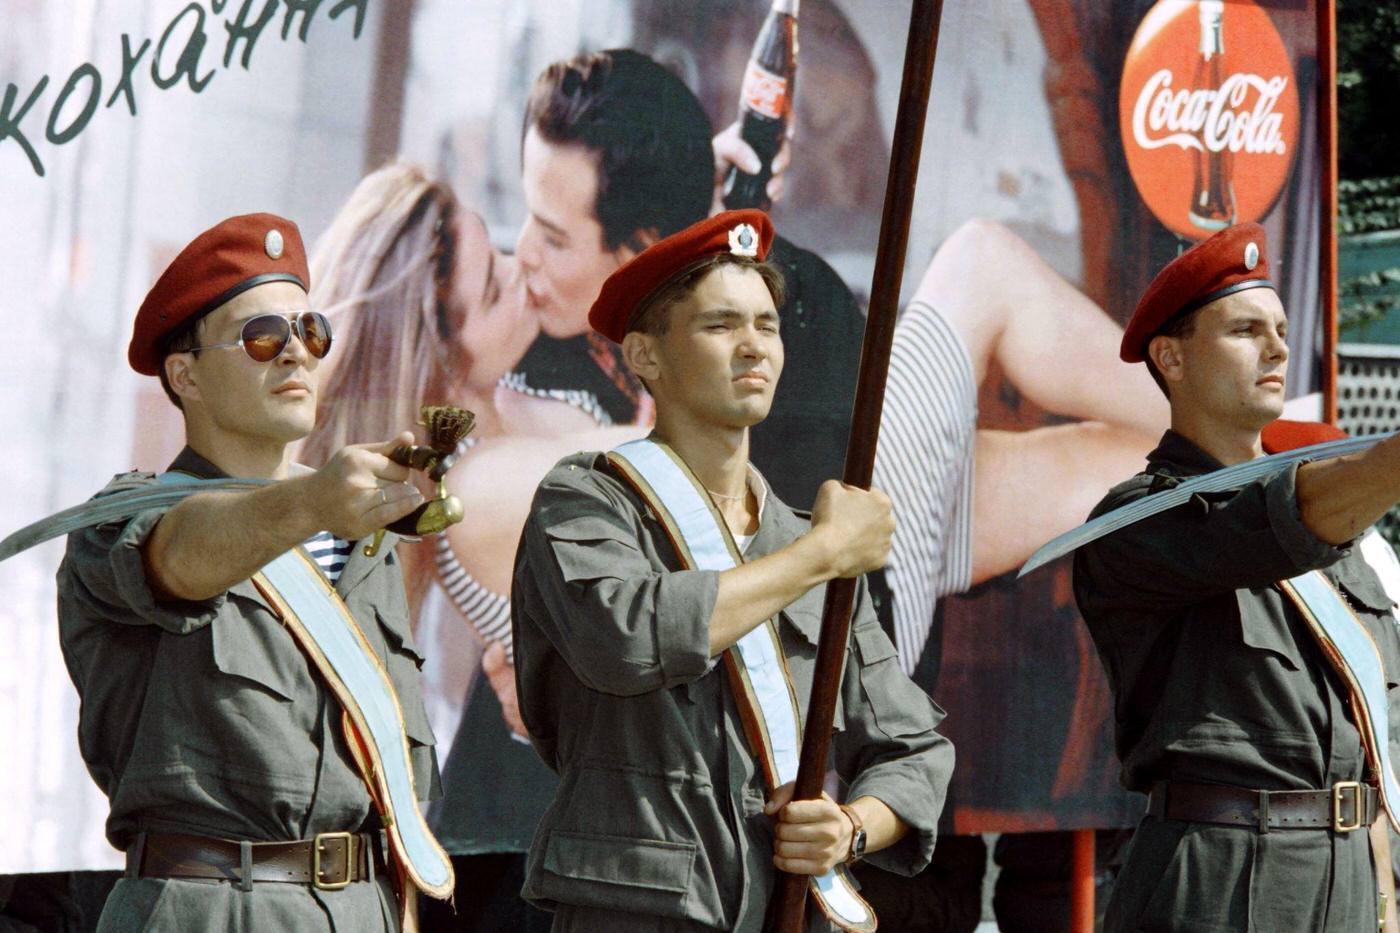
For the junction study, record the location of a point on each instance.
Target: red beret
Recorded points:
(1282, 435)
(747, 233)
(221, 263)
(1230, 261)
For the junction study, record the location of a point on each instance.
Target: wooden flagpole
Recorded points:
(1327, 222)
(791, 893)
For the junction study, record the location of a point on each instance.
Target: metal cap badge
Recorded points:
(743, 241)
(272, 244)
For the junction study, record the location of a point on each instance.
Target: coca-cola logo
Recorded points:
(1208, 113)
(764, 92)
(1212, 120)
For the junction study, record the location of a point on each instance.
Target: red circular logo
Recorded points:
(1208, 112)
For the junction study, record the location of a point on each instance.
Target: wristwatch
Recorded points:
(857, 835)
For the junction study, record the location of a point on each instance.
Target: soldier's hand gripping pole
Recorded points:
(790, 898)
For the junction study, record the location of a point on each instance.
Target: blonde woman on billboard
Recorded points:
(427, 311)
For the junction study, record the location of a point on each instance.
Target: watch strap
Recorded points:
(857, 834)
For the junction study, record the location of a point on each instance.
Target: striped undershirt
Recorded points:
(488, 612)
(329, 552)
(581, 399)
(924, 464)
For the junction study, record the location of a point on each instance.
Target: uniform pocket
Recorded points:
(1363, 586)
(1265, 630)
(256, 648)
(627, 839)
(591, 547)
(900, 708)
(404, 661)
(649, 864)
(873, 645)
(800, 628)
(642, 876)
(398, 636)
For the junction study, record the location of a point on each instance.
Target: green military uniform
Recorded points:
(658, 823)
(207, 719)
(494, 788)
(1217, 680)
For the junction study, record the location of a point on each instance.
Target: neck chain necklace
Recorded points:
(720, 495)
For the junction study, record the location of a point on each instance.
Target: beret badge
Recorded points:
(272, 244)
(747, 234)
(743, 241)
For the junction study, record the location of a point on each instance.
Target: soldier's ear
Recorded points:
(180, 376)
(639, 353)
(1165, 354)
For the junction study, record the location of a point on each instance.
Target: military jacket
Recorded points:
(206, 718)
(659, 809)
(1217, 679)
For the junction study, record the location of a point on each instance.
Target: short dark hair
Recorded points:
(1183, 325)
(647, 130)
(651, 316)
(180, 340)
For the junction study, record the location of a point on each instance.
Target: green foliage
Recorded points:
(1360, 300)
(1368, 87)
(1369, 204)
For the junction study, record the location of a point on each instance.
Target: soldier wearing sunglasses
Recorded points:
(216, 738)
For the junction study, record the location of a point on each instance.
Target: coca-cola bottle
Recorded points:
(765, 104)
(1213, 204)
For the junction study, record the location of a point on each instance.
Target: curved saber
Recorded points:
(1234, 477)
(117, 506)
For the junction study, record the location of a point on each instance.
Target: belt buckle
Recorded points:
(1338, 794)
(318, 847)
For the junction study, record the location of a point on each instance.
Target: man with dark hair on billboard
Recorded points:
(1243, 633)
(616, 154)
(666, 605)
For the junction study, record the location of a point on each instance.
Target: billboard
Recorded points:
(1071, 149)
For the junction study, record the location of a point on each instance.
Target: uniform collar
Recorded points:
(196, 464)
(759, 487)
(1178, 456)
(778, 525)
(188, 461)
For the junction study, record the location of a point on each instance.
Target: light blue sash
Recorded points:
(758, 671)
(325, 630)
(1348, 644)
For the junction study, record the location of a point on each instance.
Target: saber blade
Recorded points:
(1233, 477)
(116, 507)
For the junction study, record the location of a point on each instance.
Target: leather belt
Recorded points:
(328, 862)
(1346, 806)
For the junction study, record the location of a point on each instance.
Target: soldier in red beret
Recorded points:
(666, 608)
(204, 718)
(1214, 620)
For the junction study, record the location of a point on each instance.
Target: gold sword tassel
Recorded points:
(447, 426)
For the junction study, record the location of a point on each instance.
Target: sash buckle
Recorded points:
(323, 844)
(1339, 792)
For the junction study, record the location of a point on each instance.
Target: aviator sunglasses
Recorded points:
(265, 337)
